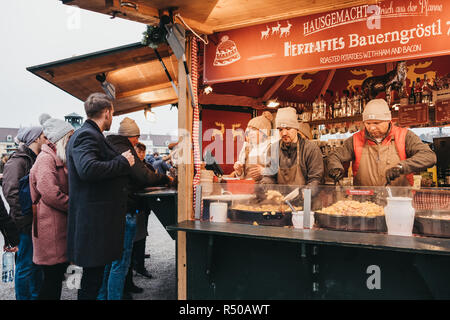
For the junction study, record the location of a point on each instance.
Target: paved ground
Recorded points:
(161, 264)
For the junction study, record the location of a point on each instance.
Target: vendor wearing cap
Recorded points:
(253, 159)
(294, 159)
(381, 153)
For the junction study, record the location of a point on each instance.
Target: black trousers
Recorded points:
(138, 255)
(52, 283)
(91, 282)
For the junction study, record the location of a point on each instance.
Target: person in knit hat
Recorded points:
(50, 192)
(294, 160)
(381, 153)
(28, 276)
(252, 158)
(305, 130)
(113, 285)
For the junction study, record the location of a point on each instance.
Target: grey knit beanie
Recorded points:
(287, 118)
(129, 128)
(28, 135)
(54, 129)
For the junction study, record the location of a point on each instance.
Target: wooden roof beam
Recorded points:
(327, 82)
(143, 13)
(269, 93)
(135, 92)
(229, 100)
(142, 107)
(105, 66)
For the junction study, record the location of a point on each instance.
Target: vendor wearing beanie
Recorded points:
(253, 156)
(381, 152)
(294, 160)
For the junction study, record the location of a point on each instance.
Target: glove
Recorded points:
(393, 173)
(336, 174)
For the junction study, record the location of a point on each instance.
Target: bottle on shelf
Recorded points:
(412, 95)
(343, 112)
(426, 91)
(418, 91)
(403, 94)
(314, 110)
(320, 113)
(336, 106)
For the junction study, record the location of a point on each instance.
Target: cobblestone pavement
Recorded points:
(161, 265)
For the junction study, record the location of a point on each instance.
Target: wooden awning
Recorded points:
(209, 16)
(134, 70)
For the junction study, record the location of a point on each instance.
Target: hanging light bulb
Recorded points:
(272, 103)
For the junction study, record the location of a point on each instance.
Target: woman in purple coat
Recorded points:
(50, 192)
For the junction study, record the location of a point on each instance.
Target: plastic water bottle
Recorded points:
(8, 267)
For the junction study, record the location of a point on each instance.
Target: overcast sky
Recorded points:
(37, 32)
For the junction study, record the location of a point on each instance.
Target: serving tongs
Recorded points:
(340, 190)
(292, 195)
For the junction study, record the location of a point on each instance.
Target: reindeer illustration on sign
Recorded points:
(412, 75)
(276, 29)
(353, 83)
(285, 30)
(237, 133)
(265, 34)
(217, 132)
(299, 81)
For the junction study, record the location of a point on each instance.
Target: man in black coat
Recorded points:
(97, 196)
(139, 178)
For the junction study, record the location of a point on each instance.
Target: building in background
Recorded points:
(7, 143)
(74, 119)
(157, 143)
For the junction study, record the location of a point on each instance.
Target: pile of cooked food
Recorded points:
(271, 208)
(354, 208)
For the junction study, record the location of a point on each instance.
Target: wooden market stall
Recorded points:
(267, 49)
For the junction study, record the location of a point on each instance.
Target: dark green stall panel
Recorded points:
(230, 267)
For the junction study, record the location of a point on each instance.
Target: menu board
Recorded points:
(442, 111)
(413, 115)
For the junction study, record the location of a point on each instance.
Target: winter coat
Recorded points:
(98, 197)
(8, 227)
(140, 176)
(418, 155)
(17, 167)
(50, 192)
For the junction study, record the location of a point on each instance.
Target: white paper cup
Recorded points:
(218, 211)
(297, 219)
(399, 214)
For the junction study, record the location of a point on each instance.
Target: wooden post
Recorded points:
(185, 174)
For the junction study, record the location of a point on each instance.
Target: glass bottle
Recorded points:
(321, 108)
(418, 91)
(403, 94)
(412, 95)
(426, 91)
(8, 267)
(336, 106)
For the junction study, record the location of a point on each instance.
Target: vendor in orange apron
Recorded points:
(381, 153)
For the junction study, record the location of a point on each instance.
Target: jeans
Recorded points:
(91, 281)
(52, 284)
(115, 273)
(28, 276)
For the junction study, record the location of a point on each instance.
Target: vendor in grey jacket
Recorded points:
(293, 160)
